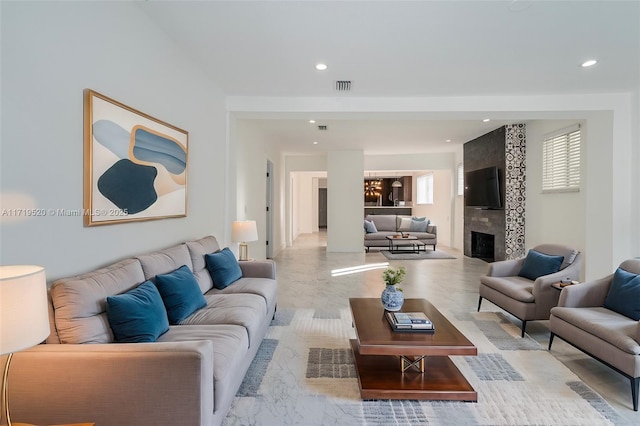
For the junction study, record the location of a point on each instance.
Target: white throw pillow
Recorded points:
(405, 224)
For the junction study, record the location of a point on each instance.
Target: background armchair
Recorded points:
(527, 299)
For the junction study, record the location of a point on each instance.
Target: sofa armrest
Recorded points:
(139, 383)
(432, 229)
(589, 294)
(505, 268)
(258, 269)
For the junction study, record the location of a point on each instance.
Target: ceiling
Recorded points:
(402, 49)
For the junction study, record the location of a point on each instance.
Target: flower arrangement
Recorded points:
(394, 276)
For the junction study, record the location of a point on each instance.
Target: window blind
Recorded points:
(561, 161)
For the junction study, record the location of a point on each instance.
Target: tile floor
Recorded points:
(307, 276)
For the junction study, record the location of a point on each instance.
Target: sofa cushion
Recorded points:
(537, 264)
(517, 288)
(197, 250)
(263, 287)
(164, 261)
(624, 294)
(180, 293)
(223, 267)
(380, 235)
(604, 323)
(137, 315)
(247, 310)
(369, 227)
(80, 301)
(383, 222)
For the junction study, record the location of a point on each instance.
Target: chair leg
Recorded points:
(479, 302)
(551, 336)
(524, 325)
(635, 381)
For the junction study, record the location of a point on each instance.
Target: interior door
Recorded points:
(322, 207)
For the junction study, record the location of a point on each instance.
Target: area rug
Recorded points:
(427, 254)
(304, 375)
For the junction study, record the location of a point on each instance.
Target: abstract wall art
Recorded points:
(135, 166)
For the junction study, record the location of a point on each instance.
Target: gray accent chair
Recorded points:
(611, 338)
(523, 298)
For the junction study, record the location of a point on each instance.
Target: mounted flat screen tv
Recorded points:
(482, 188)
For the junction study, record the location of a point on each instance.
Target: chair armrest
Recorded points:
(505, 268)
(258, 269)
(584, 295)
(572, 272)
(138, 383)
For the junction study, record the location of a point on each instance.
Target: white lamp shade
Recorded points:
(24, 314)
(243, 231)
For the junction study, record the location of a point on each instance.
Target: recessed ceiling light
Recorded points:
(315, 142)
(486, 120)
(589, 63)
(321, 67)
(448, 140)
(312, 121)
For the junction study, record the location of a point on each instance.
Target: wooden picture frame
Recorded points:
(135, 166)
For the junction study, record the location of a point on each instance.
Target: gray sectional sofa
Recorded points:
(391, 224)
(189, 376)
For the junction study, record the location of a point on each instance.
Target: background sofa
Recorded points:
(587, 317)
(189, 376)
(391, 224)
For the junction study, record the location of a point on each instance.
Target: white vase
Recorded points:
(392, 298)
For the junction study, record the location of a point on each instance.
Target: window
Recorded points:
(460, 179)
(424, 190)
(561, 161)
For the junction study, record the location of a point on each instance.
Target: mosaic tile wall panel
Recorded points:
(515, 186)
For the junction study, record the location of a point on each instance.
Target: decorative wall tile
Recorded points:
(515, 188)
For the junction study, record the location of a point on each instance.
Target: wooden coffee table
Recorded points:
(394, 365)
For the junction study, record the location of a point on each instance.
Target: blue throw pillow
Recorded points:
(137, 315)
(537, 264)
(624, 294)
(180, 293)
(419, 224)
(223, 268)
(370, 227)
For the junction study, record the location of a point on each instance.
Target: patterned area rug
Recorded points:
(304, 375)
(427, 254)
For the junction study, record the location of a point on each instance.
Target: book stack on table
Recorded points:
(410, 321)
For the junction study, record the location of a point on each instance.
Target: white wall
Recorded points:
(50, 53)
(635, 178)
(552, 217)
(344, 201)
(252, 150)
(439, 213)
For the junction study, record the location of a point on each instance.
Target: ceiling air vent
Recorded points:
(343, 85)
(322, 127)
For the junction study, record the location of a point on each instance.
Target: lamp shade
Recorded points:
(243, 231)
(396, 184)
(24, 314)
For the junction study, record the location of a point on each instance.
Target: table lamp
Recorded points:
(24, 315)
(243, 231)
